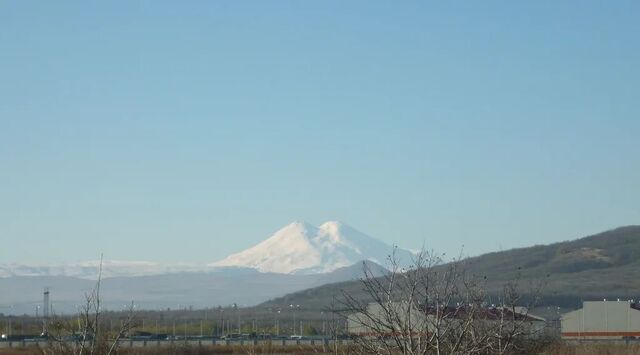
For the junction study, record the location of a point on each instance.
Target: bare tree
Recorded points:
(433, 307)
(336, 328)
(85, 334)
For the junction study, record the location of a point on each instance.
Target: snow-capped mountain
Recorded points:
(299, 248)
(303, 248)
(89, 269)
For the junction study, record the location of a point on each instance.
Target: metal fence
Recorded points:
(127, 343)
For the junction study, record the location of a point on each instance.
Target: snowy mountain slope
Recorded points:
(302, 248)
(299, 248)
(89, 269)
(21, 294)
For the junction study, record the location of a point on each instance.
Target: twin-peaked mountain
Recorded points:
(604, 265)
(297, 257)
(301, 248)
(298, 248)
(301, 257)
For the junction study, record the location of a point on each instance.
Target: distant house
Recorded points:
(602, 320)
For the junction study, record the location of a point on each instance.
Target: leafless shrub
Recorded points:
(86, 334)
(434, 307)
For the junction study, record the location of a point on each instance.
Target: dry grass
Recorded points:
(592, 349)
(199, 350)
(555, 349)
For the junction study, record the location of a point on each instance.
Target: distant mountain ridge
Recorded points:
(604, 265)
(301, 248)
(298, 248)
(89, 269)
(246, 287)
(297, 257)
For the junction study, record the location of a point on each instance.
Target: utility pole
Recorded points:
(221, 330)
(293, 327)
(255, 320)
(45, 312)
(235, 307)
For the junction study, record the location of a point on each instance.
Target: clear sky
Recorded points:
(184, 131)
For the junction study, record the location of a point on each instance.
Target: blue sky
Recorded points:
(184, 131)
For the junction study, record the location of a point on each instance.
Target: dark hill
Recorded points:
(605, 265)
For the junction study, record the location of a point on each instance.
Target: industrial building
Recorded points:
(602, 320)
(399, 317)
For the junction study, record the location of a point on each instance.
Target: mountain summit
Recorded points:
(306, 249)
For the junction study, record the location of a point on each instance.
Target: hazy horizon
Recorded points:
(185, 132)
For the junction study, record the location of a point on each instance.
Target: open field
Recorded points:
(592, 349)
(554, 349)
(202, 350)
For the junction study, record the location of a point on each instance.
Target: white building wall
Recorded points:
(601, 320)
